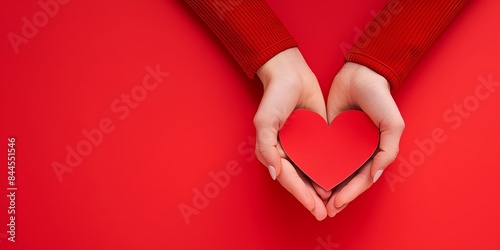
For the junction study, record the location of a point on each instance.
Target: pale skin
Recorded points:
(290, 84)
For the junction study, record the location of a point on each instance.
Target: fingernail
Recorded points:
(377, 175)
(337, 206)
(272, 172)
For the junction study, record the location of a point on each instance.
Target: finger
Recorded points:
(385, 114)
(330, 206)
(319, 210)
(359, 183)
(281, 151)
(323, 194)
(266, 145)
(291, 181)
(390, 135)
(274, 109)
(332, 210)
(267, 152)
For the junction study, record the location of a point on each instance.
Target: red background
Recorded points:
(126, 193)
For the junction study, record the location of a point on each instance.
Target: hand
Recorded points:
(289, 84)
(358, 87)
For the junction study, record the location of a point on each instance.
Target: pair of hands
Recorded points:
(290, 84)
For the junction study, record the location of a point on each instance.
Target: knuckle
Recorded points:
(396, 124)
(262, 150)
(365, 176)
(258, 120)
(392, 155)
(399, 123)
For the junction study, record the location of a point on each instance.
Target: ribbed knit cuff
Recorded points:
(384, 70)
(400, 34)
(267, 54)
(250, 30)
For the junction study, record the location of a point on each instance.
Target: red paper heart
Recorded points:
(329, 154)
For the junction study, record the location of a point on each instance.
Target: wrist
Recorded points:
(289, 64)
(360, 73)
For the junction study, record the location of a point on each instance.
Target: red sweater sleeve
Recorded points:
(400, 34)
(250, 30)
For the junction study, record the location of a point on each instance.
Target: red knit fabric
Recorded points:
(249, 29)
(391, 45)
(401, 33)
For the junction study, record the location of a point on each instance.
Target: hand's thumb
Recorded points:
(266, 149)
